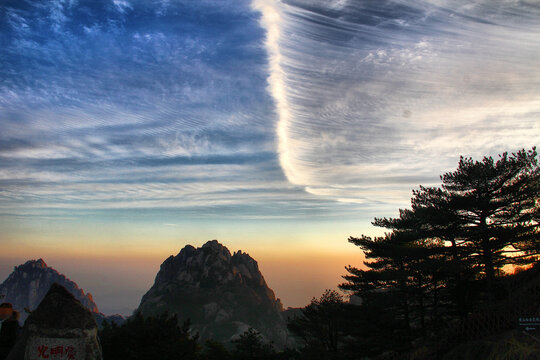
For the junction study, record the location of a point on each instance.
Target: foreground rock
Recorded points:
(222, 294)
(60, 328)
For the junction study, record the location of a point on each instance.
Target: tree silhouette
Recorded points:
(495, 204)
(454, 239)
(251, 346)
(322, 323)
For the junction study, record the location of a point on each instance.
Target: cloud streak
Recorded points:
(271, 20)
(121, 104)
(367, 91)
(335, 105)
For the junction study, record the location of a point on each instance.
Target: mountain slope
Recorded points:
(28, 284)
(222, 294)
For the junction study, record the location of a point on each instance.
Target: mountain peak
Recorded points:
(217, 248)
(39, 264)
(222, 295)
(213, 244)
(26, 286)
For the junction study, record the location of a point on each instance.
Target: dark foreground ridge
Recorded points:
(222, 294)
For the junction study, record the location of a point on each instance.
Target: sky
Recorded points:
(130, 129)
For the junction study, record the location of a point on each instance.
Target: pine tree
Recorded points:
(401, 279)
(433, 223)
(322, 324)
(484, 216)
(495, 205)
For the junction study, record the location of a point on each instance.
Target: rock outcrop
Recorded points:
(27, 285)
(60, 327)
(223, 295)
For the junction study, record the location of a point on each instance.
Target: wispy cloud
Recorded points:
(263, 107)
(367, 91)
(272, 21)
(121, 104)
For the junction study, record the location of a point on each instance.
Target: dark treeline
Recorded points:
(161, 337)
(442, 261)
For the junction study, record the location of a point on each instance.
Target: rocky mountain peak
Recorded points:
(211, 265)
(215, 246)
(35, 264)
(222, 295)
(27, 285)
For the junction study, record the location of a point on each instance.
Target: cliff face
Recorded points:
(222, 294)
(27, 285)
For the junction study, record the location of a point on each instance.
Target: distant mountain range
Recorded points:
(222, 294)
(27, 285)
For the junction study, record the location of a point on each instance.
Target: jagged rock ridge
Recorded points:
(222, 294)
(28, 284)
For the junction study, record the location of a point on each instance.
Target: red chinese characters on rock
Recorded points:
(56, 352)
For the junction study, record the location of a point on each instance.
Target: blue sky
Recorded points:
(270, 125)
(116, 106)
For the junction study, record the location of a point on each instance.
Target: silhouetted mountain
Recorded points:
(222, 295)
(28, 284)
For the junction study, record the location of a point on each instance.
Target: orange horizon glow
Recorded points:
(296, 274)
